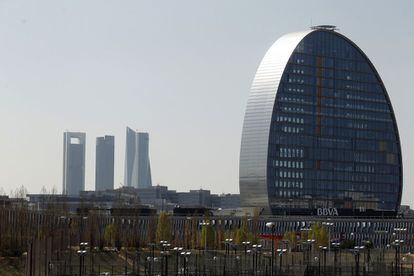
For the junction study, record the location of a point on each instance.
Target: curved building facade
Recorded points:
(319, 134)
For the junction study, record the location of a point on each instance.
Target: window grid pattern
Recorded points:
(333, 139)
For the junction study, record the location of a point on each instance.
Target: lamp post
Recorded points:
(404, 261)
(81, 254)
(237, 260)
(227, 243)
(400, 230)
(185, 256)
(324, 248)
(271, 226)
(166, 247)
(151, 259)
(356, 252)
(328, 225)
(165, 253)
(205, 224)
(149, 262)
(305, 243)
(397, 245)
(281, 251)
(310, 243)
(245, 245)
(318, 261)
(215, 259)
(249, 267)
(258, 250)
(368, 245)
(254, 253)
(335, 246)
(177, 251)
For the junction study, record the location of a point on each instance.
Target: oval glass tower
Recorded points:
(319, 131)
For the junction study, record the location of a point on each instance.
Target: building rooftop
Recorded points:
(324, 27)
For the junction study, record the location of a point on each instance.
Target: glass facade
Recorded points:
(332, 137)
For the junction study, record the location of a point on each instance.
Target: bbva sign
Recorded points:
(327, 212)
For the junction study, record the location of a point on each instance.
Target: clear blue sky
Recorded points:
(180, 70)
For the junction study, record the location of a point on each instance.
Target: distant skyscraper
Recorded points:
(104, 170)
(137, 164)
(73, 163)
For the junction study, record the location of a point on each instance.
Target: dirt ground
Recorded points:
(12, 266)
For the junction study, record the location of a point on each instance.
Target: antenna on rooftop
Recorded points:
(325, 27)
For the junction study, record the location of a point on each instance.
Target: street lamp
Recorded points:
(335, 246)
(205, 224)
(258, 251)
(368, 245)
(400, 232)
(177, 251)
(397, 244)
(324, 248)
(281, 251)
(165, 253)
(227, 243)
(245, 245)
(237, 260)
(310, 247)
(149, 261)
(81, 254)
(185, 256)
(267, 257)
(254, 263)
(356, 252)
(215, 259)
(328, 225)
(271, 226)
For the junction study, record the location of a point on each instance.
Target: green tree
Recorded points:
(207, 236)
(111, 234)
(291, 238)
(220, 237)
(163, 227)
(244, 234)
(320, 234)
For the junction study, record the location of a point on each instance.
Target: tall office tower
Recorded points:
(104, 170)
(137, 164)
(320, 135)
(73, 163)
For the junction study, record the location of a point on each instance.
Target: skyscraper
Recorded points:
(319, 133)
(137, 164)
(104, 170)
(73, 163)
